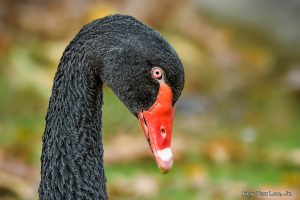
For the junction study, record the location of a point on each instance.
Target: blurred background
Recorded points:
(237, 125)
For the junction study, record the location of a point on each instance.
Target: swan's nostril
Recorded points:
(163, 133)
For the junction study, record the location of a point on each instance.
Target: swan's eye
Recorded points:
(157, 72)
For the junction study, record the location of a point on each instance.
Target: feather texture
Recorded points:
(119, 51)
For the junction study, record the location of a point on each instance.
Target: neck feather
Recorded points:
(72, 155)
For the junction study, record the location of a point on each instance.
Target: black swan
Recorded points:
(145, 73)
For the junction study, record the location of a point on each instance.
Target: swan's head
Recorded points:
(146, 74)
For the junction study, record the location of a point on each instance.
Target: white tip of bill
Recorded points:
(164, 159)
(165, 154)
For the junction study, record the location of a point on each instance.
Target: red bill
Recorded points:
(157, 123)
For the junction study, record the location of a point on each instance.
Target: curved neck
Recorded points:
(72, 155)
(118, 51)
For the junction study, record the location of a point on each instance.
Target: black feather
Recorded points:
(116, 50)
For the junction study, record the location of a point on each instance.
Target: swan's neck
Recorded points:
(72, 156)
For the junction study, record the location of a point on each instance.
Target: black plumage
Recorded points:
(118, 51)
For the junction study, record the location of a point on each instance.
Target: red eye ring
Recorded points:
(157, 72)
